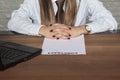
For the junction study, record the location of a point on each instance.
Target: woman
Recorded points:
(40, 17)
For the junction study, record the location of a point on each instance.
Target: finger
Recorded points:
(60, 26)
(61, 30)
(66, 34)
(64, 37)
(57, 30)
(58, 35)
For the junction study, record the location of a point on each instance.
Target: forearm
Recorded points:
(23, 26)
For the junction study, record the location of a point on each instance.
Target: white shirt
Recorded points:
(100, 18)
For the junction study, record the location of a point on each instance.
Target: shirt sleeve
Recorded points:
(100, 18)
(20, 20)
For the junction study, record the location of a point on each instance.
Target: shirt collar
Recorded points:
(53, 1)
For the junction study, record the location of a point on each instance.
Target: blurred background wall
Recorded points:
(7, 6)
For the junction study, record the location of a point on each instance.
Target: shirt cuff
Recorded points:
(94, 28)
(35, 31)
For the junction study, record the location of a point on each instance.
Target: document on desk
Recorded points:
(74, 46)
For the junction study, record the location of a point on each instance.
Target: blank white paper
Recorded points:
(74, 46)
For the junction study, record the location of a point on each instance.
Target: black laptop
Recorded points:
(13, 53)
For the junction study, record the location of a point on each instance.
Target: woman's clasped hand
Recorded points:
(61, 31)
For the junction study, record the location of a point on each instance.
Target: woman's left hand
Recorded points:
(69, 33)
(76, 31)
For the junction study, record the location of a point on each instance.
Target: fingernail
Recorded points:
(57, 38)
(70, 28)
(69, 34)
(68, 38)
(51, 30)
(53, 35)
(51, 24)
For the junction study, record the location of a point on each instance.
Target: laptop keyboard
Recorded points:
(14, 53)
(9, 53)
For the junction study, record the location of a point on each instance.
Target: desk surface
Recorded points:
(102, 61)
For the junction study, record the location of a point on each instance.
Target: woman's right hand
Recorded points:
(48, 31)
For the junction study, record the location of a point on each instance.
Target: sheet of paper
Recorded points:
(74, 46)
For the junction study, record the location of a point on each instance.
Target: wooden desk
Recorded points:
(102, 61)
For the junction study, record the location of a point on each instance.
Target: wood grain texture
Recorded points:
(102, 61)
